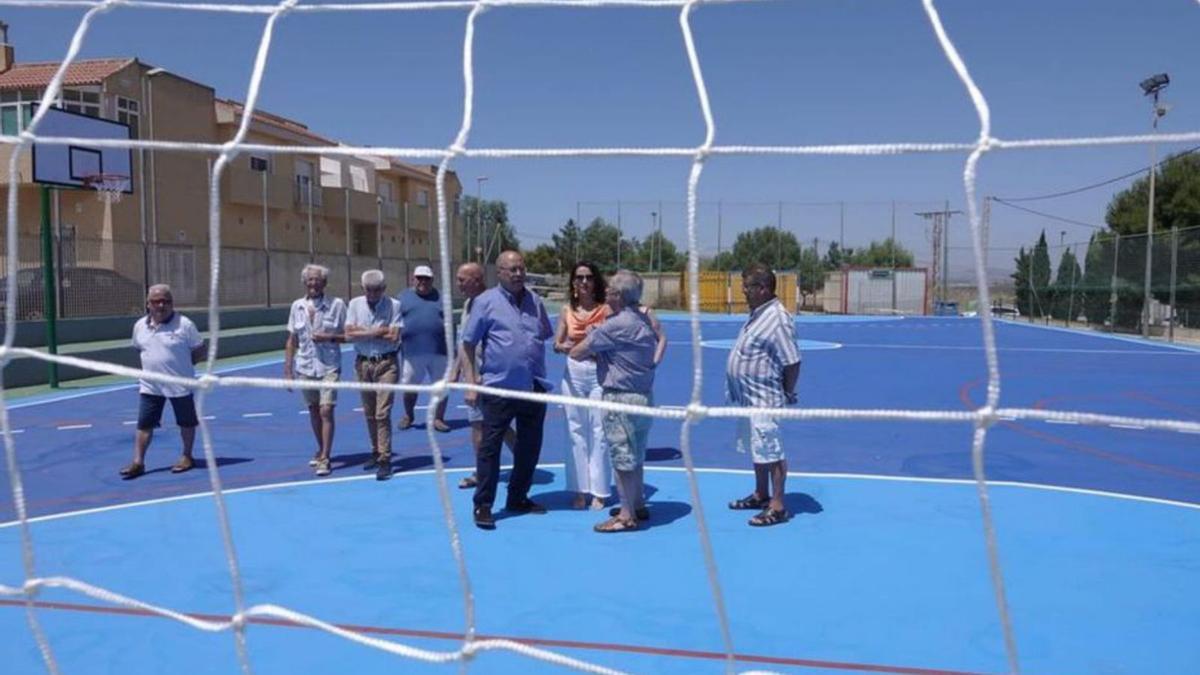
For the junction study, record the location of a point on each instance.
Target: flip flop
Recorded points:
(184, 464)
(641, 513)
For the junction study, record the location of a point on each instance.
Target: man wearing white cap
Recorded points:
(423, 347)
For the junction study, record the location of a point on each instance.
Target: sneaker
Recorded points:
(315, 460)
(406, 422)
(525, 505)
(484, 519)
(323, 467)
(384, 470)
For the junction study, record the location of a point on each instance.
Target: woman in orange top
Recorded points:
(589, 471)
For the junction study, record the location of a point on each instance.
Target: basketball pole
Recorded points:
(49, 306)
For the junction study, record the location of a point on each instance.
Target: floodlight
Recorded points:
(1155, 83)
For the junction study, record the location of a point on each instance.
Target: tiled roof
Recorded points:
(278, 121)
(38, 75)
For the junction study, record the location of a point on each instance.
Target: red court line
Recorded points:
(535, 642)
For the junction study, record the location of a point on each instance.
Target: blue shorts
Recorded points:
(150, 410)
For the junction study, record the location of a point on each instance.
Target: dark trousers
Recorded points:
(498, 413)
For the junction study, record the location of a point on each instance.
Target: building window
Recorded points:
(260, 163)
(82, 101)
(16, 109)
(422, 198)
(129, 112)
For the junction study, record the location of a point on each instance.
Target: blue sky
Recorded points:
(783, 73)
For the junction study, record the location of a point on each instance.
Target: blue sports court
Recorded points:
(882, 567)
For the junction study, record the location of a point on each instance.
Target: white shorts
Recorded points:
(759, 434)
(414, 369)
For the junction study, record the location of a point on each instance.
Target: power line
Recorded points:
(1051, 216)
(1093, 186)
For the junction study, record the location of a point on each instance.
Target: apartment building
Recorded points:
(278, 211)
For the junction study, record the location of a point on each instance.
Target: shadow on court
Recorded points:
(798, 502)
(663, 454)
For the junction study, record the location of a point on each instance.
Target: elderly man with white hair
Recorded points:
(624, 346)
(169, 344)
(311, 353)
(373, 325)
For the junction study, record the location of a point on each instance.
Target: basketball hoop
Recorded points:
(109, 187)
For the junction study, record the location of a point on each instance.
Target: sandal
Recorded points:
(769, 517)
(750, 503)
(615, 524)
(641, 513)
(468, 482)
(133, 471)
(185, 463)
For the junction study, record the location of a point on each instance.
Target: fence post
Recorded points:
(1112, 295)
(1171, 317)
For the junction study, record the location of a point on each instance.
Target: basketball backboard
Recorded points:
(71, 165)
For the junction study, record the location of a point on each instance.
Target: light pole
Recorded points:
(1151, 86)
(653, 225)
(478, 215)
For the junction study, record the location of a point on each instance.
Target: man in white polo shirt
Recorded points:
(373, 325)
(169, 345)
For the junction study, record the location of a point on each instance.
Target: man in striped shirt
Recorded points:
(763, 367)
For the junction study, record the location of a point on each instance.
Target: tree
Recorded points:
(811, 273)
(543, 259)
(1021, 283)
(768, 245)
(835, 257)
(490, 231)
(1176, 207)
(567, 242)
(656, 252)
(1039, 271)
(880, 254)
(1097, 272)
(1067, 297)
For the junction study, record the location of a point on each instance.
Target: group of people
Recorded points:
(613, 346)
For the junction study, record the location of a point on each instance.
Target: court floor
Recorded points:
(881, 569)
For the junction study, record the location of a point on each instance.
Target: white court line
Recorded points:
(1007, 418)
(1063, 422)
(16, 431)
(1127, 426)
(128, 423)
(1052, 350)
(741, 472)
(358, 410)
(209, 417)
(262, 414)
(68, 427)
(1188, 431)
(303, 412)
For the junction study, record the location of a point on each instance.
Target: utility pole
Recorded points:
(941, 243)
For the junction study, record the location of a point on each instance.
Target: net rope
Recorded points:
(981, 418)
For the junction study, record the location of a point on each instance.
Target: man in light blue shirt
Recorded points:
(373, 326)
(510, 325)
(624, 347)
(311, 352)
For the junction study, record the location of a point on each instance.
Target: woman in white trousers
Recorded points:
(589, 469)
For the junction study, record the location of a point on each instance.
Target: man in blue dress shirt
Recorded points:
(510, 325)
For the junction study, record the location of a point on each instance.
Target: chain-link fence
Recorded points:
(1103, 282)
(109, 278)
